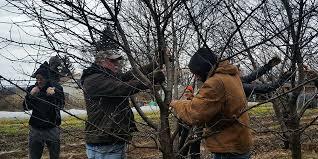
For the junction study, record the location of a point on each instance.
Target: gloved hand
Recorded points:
(50, 90)
(157, 77)
(274, 61)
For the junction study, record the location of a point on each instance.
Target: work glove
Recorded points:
(274, 61)
(157, 77)
(50, 90)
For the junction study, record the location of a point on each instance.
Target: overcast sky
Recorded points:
(15, 61)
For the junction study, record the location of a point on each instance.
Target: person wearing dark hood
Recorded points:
(218, 106)
(107, 91)
(262, 88)
(45, 99)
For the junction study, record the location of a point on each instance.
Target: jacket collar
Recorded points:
(93, 69)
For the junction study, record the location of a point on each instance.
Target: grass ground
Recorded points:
(267, 145)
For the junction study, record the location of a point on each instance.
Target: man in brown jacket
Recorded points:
(218, 105)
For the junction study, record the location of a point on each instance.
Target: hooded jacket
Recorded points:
(220, 99)
(261, 88)
(110, 118)
(45, 108)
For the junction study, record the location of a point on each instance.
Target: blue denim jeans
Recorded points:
(111, 151)
(231, 156)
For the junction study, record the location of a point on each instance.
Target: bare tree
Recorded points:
(247, 33)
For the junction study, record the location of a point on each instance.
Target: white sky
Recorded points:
(18, 62)
(18, 68)
(23, 64)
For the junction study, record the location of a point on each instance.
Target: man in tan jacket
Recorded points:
(218, 106)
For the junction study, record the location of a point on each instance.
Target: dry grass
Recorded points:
(14, 134)
(11, 103)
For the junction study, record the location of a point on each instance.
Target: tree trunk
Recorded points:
(295, 138)
(166, 144)
(296, 145)
(280, 113)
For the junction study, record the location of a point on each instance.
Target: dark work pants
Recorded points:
(194, 148)
(231, 156)
(39, 137)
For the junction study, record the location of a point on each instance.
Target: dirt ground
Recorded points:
(267, 144)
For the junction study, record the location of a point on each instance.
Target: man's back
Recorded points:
(110, 118)
(228, 135)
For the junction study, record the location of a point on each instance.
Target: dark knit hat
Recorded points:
(201, 62)
(43, 70)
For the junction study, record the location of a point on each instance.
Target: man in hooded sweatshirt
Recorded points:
(262, 88)
(45, 98)
(218, 106)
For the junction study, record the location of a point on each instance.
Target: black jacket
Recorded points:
(256, 74)
(45, 108)
(110, 118)
(261, 88)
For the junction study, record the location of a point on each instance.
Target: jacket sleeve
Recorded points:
(261, 88)
(144, 69)
(100, 85)
(28, 100)
(256, 74)
(204, 106)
